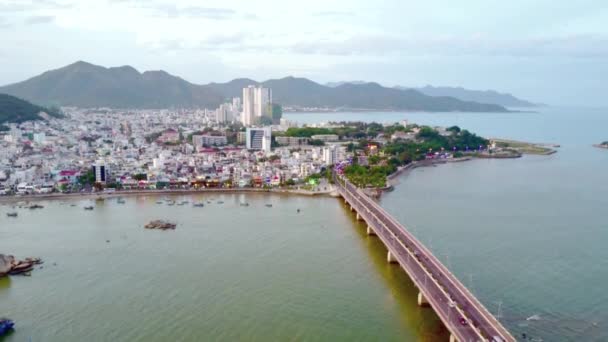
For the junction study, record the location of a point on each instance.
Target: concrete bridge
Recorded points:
(463, 315)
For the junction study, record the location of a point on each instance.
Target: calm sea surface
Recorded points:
(527, 236)
(227, 273)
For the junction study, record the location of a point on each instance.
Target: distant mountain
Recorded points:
(483, 96)
(292, 91)
(336, 84)
(13, 109)
(86, 85)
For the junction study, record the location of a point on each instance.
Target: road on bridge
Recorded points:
(464, 316)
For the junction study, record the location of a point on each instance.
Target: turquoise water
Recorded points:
(528, 236)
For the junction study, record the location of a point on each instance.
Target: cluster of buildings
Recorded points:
(159, 148)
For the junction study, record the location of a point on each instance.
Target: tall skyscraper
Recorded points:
(259, 139)
(224, 113)
(256, 102)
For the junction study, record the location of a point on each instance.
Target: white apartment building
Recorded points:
(259, 139)
(331, 154)
(224, 113)
(209, 140)
(256, 102)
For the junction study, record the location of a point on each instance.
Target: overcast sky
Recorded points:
(542, 50)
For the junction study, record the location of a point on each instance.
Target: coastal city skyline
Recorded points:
(321, 171)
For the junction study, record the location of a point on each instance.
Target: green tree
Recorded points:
(87, 179)
(140, 176)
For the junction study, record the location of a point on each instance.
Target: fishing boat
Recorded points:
(199, 205)
(6, 325)
(89, 207)
(121, 201)
(269, 205)
(13, 214)
(244, 204)
(220, 202)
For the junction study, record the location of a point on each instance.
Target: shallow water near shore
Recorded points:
(227, 272)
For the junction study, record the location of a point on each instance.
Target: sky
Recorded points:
(555, 52)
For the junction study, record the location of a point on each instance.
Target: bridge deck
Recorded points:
(464, 316)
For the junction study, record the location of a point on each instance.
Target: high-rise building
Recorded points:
(236, 103)
(256, 102)
(330, 154)
(101, 172)
(259, 139)
(224, 113)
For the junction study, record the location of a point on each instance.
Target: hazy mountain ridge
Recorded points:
(463, 94)
(13, 109)
(486, 96)
(86, 85)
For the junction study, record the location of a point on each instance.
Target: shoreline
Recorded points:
(172, 192)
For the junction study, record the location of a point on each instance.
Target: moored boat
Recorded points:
(13, 214)
(6, 325)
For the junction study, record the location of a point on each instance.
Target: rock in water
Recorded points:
(6, 264)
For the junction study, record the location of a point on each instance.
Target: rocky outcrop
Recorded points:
(6, 262)
(159, 224)
(10, 265)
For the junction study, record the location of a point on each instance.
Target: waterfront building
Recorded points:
(259, 139)
(101, 172)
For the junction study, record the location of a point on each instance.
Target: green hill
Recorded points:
(13, 109)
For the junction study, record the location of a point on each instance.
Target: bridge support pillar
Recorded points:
(453, 338)
(391, 258)
(351, 208)
(370, 231)
(422, 300)
(359, 218)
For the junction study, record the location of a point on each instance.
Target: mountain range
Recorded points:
(86, 85)
(480, 96)
(484, 96)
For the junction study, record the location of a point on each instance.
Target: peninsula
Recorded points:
(602, 145)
